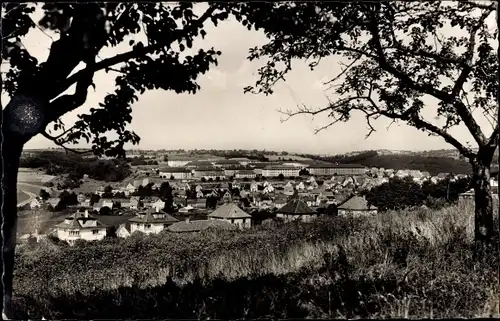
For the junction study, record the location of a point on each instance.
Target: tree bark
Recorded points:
(22, 119)
(484, 230)
(11, 153)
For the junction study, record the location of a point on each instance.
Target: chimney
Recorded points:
(86, 214)
(187, 220)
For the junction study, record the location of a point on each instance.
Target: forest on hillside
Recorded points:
(433, 165)
(57, 163)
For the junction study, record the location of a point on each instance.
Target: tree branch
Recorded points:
(469, 55)
(385, 65)
(66, 103)
(479, 5)
(68, 149)
(493, 139)
(126, 56)
(462, 111)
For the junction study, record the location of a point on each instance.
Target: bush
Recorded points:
(396, 264)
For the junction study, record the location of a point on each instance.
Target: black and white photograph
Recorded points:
(249, 160)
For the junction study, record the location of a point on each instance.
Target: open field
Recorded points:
(21, 197)
(416, 264)
(33, 176)
(273, 158)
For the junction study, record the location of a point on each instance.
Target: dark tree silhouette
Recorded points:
(83, 30)
(386, 76)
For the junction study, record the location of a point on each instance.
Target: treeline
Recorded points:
(433, 165)
(405, 193)
(56, 163)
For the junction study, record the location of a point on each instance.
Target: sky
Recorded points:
(221, 116)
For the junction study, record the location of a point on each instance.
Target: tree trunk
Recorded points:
(22, 119)
(11, 153)
(483, 223)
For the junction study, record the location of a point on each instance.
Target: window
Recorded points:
(148, 226)
(232, 220)
(95, 232)
(74, 233)
(165, 225)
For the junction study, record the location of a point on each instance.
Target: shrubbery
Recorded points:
(403, 193)
(404, 264)
(56, 163)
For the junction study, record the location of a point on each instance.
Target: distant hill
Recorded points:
(432, 164)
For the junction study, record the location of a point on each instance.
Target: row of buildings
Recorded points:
(84, 226)
(223, 170)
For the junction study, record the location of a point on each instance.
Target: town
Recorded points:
(191, 194)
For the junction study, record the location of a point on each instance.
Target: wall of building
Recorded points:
(241, 223)
(141, 227)
(86, 234)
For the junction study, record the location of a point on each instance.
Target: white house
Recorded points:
(134, 202)
(254, 187)
(35, 203)
(357, 206)
(130, 188)
(296, 209)
(300, 186)
(122, 231)
(231, 213)
(80, 226)
(289, 190)
(148, 222)
(158, 205)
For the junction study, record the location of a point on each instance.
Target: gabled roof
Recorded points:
(175, 170)
(356, 203)
(74, 222)
(148, 217)
(296, 206)
(229, 210)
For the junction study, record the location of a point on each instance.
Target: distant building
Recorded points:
(356, 206)
(277, 170)
(175, 172)
(336, 169)
(151, 222)
(209, 172)
(296, 209)
(231, 213)
(227, 163)
(242, 160)
(35, 203)
(245, 173)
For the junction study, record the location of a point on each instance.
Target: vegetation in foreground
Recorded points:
(398, 264)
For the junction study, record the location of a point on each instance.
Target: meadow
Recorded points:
(21, 196)
(416, 264)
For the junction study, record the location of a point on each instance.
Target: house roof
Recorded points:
(199, 163)
(148, 217)
(227, 162)
(296, 206)
(53, 201)
(332, 165)
(356, 203)
(76, 218)
(175, 170)
(208, 169)
(200, 225)
(229, 210)
(245, 171)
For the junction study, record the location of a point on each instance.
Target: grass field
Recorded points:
(21, 196)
